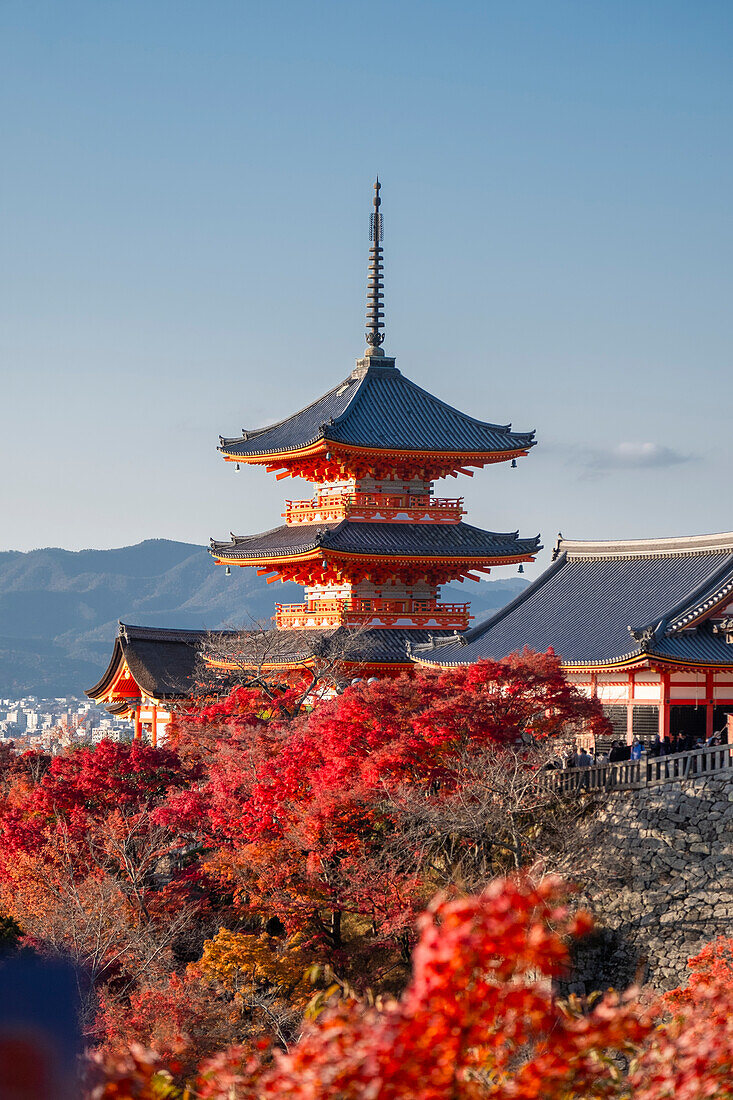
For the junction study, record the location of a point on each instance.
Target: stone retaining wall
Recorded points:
(657, 869)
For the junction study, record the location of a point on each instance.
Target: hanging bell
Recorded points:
(514, 464)
(227, 572)
(521, 568)
(237, 466)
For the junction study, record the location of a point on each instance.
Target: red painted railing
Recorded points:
(408, 613)
(329, 508)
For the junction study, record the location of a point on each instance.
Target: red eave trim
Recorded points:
(323, 446)
(650, 659)
(321, 553)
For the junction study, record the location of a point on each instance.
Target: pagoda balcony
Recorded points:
(405, 614)
(371, 507)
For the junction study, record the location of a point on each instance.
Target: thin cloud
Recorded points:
(595, 462)
(636, 456)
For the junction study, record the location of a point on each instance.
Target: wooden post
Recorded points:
(664, 707)
(138, 726)
(630, 712)
(708, 705)
(154, 727)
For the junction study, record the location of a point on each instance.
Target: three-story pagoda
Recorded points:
(374, 545)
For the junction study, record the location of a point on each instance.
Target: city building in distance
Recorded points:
(51, 725)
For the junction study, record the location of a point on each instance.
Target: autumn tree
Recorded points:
(496, 809)
(301, 814)
(690, 1054)
(257, 656)
(268, 839)
(87, 871)
(478, 1019)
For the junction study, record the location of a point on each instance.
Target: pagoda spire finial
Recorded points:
(375, 285)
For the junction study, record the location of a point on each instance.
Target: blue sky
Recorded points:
(184, 203)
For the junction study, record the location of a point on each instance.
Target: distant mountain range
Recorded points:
(59, 608)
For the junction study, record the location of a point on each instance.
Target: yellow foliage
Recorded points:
(242, 963)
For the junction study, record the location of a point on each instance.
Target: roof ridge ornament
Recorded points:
(645, 636)
(375, 284)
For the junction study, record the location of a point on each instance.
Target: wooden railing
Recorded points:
(629, 775)
(335, 506)
(360, 612)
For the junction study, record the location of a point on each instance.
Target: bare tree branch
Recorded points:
(497, 813)
(261, 657)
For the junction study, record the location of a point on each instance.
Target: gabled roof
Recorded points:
(164, 663)
(449, 540)
(612, 603)
(377, 408)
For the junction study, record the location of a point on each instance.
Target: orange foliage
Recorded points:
(479, 1018)
(690, 1056)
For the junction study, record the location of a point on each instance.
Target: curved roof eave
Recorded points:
(590, 666)
(110, 672)
(133, 646)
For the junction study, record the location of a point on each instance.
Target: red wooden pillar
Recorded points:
(138, 726)
(630, 711)
(664, 707)
(708, 704)
(594, 685)
(154, 728)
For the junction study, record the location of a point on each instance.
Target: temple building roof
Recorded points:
(613, 603)
(377, 409)
(373, 646)
(394, 540)
(163, 663)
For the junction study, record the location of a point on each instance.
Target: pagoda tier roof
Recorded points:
(164, 663)
(382, 540)
(604, 604)
(377, 409)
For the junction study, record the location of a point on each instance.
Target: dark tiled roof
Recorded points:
(594, 595)
(698, 646)
(391, 646)
(288, 539)
(378, 646)
(379, 409)
(452, 540)
(117, 708)
(164, 663)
